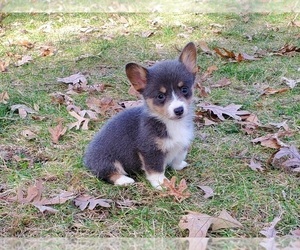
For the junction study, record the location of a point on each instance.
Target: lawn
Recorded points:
(99, 45)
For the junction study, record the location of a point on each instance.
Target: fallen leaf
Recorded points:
(61, 98)
(28, 134)
(208, 122)
(255, 166)
(147, 34)
(197, 224)
(3, 66)
(208, 191)
(180, 193)
(272, 140)
(4, 97)
(86, 201)
(272, 91)
(103, 105)
(225, 220)
(204, 47)
(293, 157)
(91, 114)
(46, 209)
(81, 121)
(73, 79)
(283, 125)
(47, 50)
(296, 232)
(224, 53)
(22, 109)
(57, 132)
(290, 82)
(131, 104)
(26, 43)
(61, 198)
(24, 60)
(221, 83)
(270, 231)
(287, 50)
(230, 110)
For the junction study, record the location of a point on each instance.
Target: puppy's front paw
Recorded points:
(180, 166)
(156, 180)
(124, 181)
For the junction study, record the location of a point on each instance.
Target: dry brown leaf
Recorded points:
(86, 201)
(296, 232)
(283, 125)
(225, 220)
(24, 60)
(61, 198)
(73, 79)
(291, 157)
(103, 105)
(81, 121)
(23, 110)
(272, 91)
(3, 66)
(230, 110)
(57, 132)
(28, 134)
(180, 193)
(272, 140)
(46, 209)
(47, 51)
(26, 43)
(221, 83)
(61, 98)
(290, 82)
(147, 33)
(270, 231)
(208, 122)
(91, 114)
(204, 47)
(131, 104)
(224, 53)
(255, 166)
(287, 50)
(197, 224)
(209, 192)
(4, 97)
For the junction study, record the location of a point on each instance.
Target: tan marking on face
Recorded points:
(159, 110)
(180, 84)
(163, 90)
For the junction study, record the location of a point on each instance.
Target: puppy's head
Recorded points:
(167, 86)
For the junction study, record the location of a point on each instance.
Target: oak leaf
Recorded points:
(255, 166)
(57, 132)
(4, 97)
(290, 82)
(61, 98)
(270, 232)
(231, 110)
(86, 201)
(180, 193)
(23, 110)
(272, 140)
(225, 220)
(81, 121)
(23, 60)
(204, 47)
(26, 43)
(291, 156)
(221, 83)
(209, 192)
(73, 79)
(197, 224)
(272, 91)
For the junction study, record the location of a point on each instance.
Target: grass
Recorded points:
(219, 154)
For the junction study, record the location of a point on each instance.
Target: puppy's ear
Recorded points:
(137, 75)
(188, 57)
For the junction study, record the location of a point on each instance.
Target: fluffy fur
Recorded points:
(151, 136)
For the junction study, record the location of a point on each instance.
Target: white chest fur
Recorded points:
(180, 135)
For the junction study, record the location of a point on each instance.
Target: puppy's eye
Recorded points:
(184, 90)
(161, 97)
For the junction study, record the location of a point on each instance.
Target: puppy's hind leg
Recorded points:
(119, 178)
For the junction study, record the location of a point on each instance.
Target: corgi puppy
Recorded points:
(154, 135)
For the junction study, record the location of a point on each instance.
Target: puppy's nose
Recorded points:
(179, 111)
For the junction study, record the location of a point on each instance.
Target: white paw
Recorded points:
(124, 181)
(180, 166)
(156, 180)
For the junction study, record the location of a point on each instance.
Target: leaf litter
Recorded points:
(180, 192)
(198, 224)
